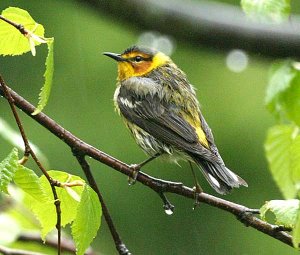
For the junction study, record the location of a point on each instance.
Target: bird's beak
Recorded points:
(114, 56)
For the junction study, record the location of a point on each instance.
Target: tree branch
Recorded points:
(215, 25)
(20, 27)
(29, 151)
(243, 213)
(120, 246)
(8, 251)
(66, 244)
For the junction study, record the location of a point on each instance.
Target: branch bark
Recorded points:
(120, 246)
(8, 251)
(66, 244)
(29, 151)
(215, 25)
(243, 213)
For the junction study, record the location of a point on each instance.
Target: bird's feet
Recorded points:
(135, 168)
(198, 190)
(168, 207)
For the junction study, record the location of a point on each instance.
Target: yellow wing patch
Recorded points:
(196, 124)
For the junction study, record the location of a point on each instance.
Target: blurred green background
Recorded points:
(81, 101)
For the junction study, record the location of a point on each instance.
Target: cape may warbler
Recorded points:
(160, 108)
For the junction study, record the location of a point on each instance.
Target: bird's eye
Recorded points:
(138, 59)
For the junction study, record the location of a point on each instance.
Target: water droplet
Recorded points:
(169, 211)
(237, 60)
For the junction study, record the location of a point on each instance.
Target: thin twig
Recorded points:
(66, 243)
(120, 246)
(20, 27)
(8, 251)
(29, 151)
(243, 213)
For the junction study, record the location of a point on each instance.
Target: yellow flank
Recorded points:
(128, 69)
(196, 124)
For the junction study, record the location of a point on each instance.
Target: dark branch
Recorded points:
(20, 27)
(29, 151)
(244, 214)
(120, 246)
(208, 23)
(66, 244)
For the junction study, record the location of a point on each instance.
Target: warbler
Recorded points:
(160, 108)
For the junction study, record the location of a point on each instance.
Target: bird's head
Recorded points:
(137, 61)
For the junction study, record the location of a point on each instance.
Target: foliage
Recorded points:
(79, 204)
(267, 10)
(13, 42)
(282, 143)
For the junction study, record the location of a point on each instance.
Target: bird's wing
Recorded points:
(209, 137)
(163, 123)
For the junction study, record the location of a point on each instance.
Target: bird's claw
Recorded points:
(198, 190)
(136, 169)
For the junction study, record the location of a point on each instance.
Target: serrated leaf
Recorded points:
(285, 211)
(280, 78)
(87, 221)
(12, 42)
(267, 10)
(296, 231)
(8, 167)
(46, 212)
(43, 211)
(46, 89)
(29, 182)
(277, 146)
(283, 91)
(291, 100)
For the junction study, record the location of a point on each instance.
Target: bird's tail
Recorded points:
(219, 176)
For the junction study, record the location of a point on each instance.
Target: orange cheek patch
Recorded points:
(141, 68)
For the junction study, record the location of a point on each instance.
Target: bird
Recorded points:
(160, 108)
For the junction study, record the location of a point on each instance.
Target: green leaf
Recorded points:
(285, 211)
(280, 79)
(12, 42)
(295, 162)
(296, 231)
(278, 146)
(291, 100)
(87, 221)
(46, 212)
(46, 89)
(8, 167)
(29, 182)
(267, 10)
(17, 210)
(283, 92)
